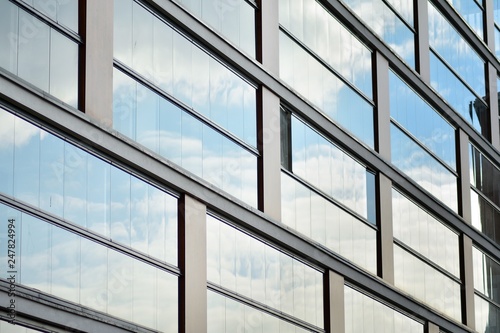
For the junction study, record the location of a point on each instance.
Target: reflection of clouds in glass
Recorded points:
(182, 69)
(387, 25)
(178, 136)
(324, 89)
(446, 41)
(364, 314)
(423, 168)
(228, 315)
(426, 283)
(234, 19)
(66, 181)
(319, 219)
(425, 234)
(251, 268)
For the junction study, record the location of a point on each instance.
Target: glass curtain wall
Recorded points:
(393, 21)
(40, 45)
(233, 19)
(426, 257)
(423, 144)
(485, 194)
(338, 81)
(458, 72)
(253, 286)
(327, 195)
(182, 103)
(366, 314)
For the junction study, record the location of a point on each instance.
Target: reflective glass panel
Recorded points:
(258, 271)
(58, 262)
(321, 32)
(226, 315)
(234, 19)
(170, 131)
(425, 234)
(330, 225)
(485, 216)
(424, 169)
(64, 12)
(485, 176)
(384, 22)
(325, 90)
(461, 98)
(426, 283)
(54, 69)
(487, 315)
(411, 112)
(452, 47)
(328, 168)
(471, 12)
(486, 275)
(182, 69)
(365, 314)
(49, 173)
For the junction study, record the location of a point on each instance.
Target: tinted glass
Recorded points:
(485, 175)
(58, 262)
(365, 314)
(331, 170)
(486, 275)
(328, 224)
(411, 112)
(325, 90)
(385, 23)
(255, 270)
(321, 32)
(424, 169)
(446, 41)
(471, 12)
(460, 97)
(64, 12)
(183, 70)
(425, 234)
(234, 19)
(487, 315)
(226, 315)
(177, 135)
(52, 174)
(54, 69)
(426, 283)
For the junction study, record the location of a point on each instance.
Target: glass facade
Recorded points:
(248, 267)
(485, 194)
(486, 281)
(422, 143)
(392, 21)
(200, 114)
(457, 72)
(311, 64)
(472, 12)
(58, 262)
(55, 68)
(365, 314)
(57, 177)
(249, 166)
(233, 19)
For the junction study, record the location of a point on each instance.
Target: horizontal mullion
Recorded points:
(70, 34)
(421, 145)
(262, 307)
(203, 119)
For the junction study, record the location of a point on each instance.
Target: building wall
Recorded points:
(249, 166)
